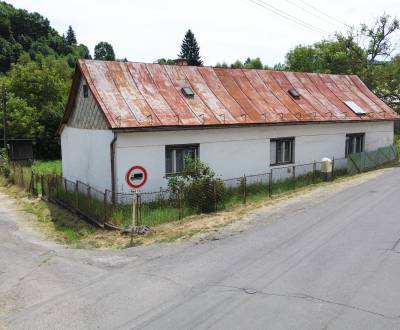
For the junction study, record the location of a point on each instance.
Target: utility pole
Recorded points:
(4, 97)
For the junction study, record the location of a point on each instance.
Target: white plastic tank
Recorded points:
(326, 165)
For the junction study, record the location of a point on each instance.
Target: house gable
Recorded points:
(86, 113)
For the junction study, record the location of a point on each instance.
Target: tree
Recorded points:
(38, 92)
(190, 50)
(70, 39)
(379, 44)
(165, 61)
(254, 63)
(104, 51)
(366, 52)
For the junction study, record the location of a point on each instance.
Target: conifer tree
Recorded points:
(190, 50)
(70, 39)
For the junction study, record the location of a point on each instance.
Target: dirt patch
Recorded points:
(57, 224)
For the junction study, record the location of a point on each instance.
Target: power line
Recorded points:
(323, 13)
(287, 16)
(311, 12)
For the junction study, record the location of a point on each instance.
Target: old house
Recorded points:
(129, 125)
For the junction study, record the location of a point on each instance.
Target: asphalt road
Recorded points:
(326, 260)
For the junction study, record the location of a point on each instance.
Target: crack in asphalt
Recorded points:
(48, 255)
(306, 297)
(395, 245)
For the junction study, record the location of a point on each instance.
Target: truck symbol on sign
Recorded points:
(136, 177)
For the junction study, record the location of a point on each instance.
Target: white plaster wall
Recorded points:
(232, 152)
(86, 156)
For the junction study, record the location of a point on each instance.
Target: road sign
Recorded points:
(136, 177)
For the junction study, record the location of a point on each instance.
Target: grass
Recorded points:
(43, 167)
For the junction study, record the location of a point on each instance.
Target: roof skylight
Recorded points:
(355, 108)
(294, 92)
(187, 91)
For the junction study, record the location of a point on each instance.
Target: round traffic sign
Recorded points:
(136, 176)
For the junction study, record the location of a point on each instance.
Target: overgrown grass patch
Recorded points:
(43, 167)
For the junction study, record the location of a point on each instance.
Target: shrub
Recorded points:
(4, 163)
(199, 186)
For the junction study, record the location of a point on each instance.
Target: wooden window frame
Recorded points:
(291, 140)
(354, 136)
(173, 148)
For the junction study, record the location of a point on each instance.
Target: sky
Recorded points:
(226, 30)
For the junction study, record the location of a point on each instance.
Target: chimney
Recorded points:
(181, 61)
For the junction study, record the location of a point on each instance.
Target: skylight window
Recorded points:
(355, 108)
(294, 92)
(187, 91)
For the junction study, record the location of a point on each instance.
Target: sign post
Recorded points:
(134, 209)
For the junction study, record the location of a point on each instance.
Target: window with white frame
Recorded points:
(282, 151)
(354, 143)
(175, 157)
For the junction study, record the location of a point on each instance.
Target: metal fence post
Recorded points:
(333, 168)
(215, 195)
(270, 183)
(134, 209)
(314, 171)
(294, 176)
(138, 209)
(22, 176)
(31, 184)
(42, 185)
(105, 206)
(180, 206)
(244, 183)
(76, 196)
(89, 196)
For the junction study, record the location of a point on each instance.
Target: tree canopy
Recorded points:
(37, 64)
(366, 52)
(190, 50)
(104, 51)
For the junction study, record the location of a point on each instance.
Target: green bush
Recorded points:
(4, 163)
(198, 186)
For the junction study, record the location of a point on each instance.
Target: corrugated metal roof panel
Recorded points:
(137, 95)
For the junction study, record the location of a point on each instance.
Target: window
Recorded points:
(187, 91)
(354, 143)
(85, 91)
(355, 108)
(282, 151)
(294, 92)
(175, 156)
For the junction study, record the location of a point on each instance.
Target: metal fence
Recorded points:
(371, 159)
(167, 205)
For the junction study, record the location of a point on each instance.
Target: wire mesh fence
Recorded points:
(166, 205)
(368, 160)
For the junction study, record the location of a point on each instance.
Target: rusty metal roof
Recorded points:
(139, 95)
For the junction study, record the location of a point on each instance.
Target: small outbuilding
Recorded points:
(137, 121)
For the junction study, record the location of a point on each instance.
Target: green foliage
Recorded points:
(342, 55)
(371, 59)
(37, 92)
(237, 65)
(164, 61)
(44, 167)
(104, 51)
(37, 64)
(4, 163)
(70, 39)
(190, 50)
(250, 63)
(221, 65)
(201, 189)
(254, 63)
